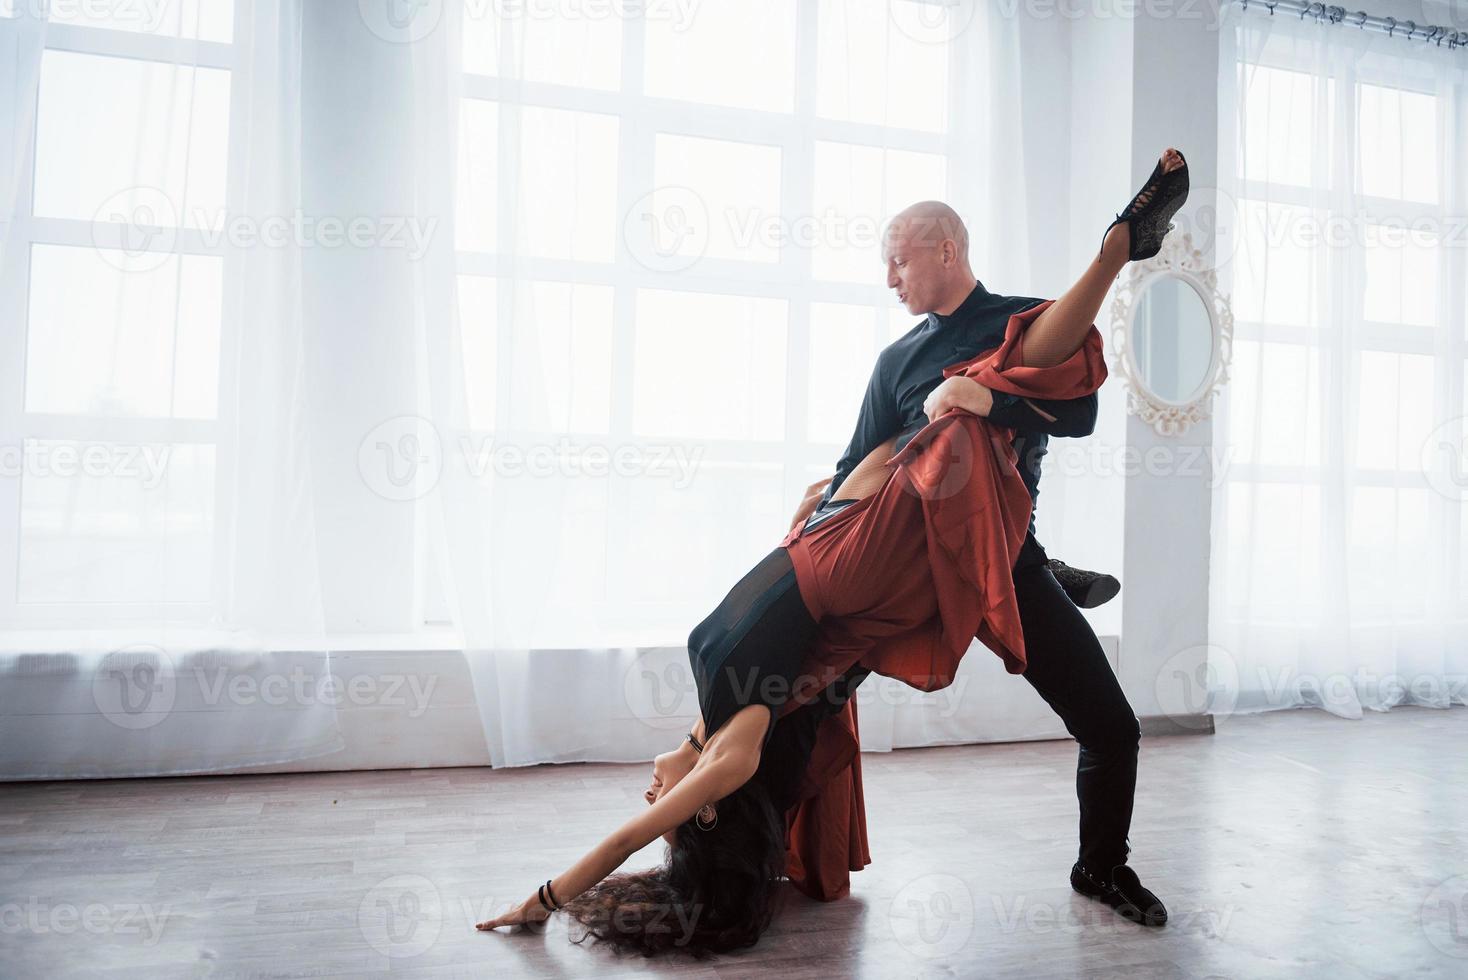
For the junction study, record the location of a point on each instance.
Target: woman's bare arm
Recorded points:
(717, 774)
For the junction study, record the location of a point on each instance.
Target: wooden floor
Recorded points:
(1292, 844)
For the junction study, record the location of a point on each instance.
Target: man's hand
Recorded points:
(958, 392)
(810, 501)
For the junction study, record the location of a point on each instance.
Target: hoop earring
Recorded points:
(697, 819)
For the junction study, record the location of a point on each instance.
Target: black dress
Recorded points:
(750, 651)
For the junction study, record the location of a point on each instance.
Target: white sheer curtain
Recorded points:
(666, 232)
(1340, 578)
(161, 605)
(510, 328)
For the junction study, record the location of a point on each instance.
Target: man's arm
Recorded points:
(1066, 417)
(876, 421)
(1056, 417)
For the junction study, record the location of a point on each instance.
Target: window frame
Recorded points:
(18, 427)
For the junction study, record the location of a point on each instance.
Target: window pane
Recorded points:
(733, 54)
(479, 330)
(709, 366)
(1388, 545)
(131, 141)
(844, 347)
(476, 211)
(561, 375)
(1398, 143)
(1274, 280)
(574, 602)
(871, 70)
(205, 20)
(1285, 124)
(1393, 410)
(568, 184)
(104, 522)
(563, 44)
(1274, 404)
(715, 528)
(1273, 533)
(900, 322)
(480, 44)
(857, 189)
(1401, 275)
(109, 342)
(1445, 462)
(734, 187)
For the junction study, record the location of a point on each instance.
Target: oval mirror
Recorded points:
(1172, 340)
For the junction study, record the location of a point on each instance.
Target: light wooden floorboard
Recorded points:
(1292, 844)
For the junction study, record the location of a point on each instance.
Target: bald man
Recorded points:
(925, 249)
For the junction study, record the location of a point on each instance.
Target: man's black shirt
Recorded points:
(912, 366)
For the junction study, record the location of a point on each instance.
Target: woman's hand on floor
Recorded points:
(527, 912)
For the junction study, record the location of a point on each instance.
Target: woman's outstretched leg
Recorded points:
(1058, 332)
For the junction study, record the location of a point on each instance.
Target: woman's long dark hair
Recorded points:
(715, 892)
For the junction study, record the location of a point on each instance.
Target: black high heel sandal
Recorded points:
(1149, 221)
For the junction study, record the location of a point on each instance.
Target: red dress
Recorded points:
(902, 582)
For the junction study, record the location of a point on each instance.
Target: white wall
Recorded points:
(1166, 553)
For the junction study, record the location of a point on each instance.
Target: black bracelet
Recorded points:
(554, 901)
(540, 893)
(695, 742)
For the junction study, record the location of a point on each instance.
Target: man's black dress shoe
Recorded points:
(1123, 891)
(1086, 589)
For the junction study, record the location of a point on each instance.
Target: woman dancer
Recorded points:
(898, 578)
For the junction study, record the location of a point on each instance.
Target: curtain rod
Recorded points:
(1405, 29)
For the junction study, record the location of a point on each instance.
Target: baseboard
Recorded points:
(1199, 724)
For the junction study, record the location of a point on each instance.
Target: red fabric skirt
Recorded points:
(902, 582)
(862, 573)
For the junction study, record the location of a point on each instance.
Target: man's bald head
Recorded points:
(925, 248)
(928, 224)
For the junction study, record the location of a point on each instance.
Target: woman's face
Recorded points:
(666, 774)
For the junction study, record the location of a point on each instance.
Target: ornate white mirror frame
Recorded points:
(1178, 260)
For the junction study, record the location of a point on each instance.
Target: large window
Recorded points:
(666, 235)
(112, 313)
(1350, 354)
(681, 218)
